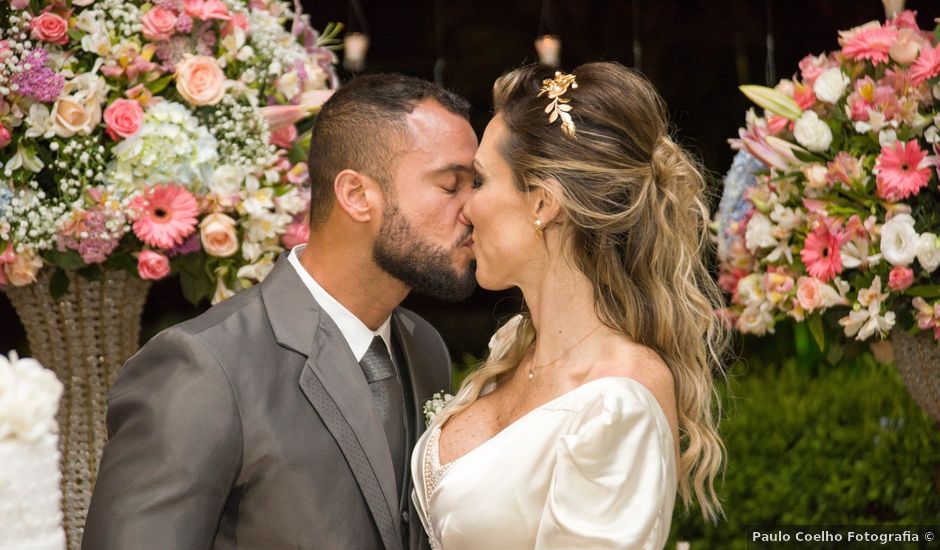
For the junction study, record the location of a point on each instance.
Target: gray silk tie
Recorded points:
(387, 394)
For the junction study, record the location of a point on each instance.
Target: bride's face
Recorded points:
(505, 242)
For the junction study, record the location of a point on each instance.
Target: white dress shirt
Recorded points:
(357, 334)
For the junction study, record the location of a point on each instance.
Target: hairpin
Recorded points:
(559, 108)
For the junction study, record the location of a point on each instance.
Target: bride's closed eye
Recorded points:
(477, 183)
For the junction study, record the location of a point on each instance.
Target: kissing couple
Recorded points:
(291, 415)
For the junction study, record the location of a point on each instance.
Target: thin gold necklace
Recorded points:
(532, 369)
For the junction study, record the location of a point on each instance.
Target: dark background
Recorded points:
(695, 52)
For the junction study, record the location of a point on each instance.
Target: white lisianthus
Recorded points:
(928, 251)
(830, 85)
(759, 232)
(812, 133)
(899, 240)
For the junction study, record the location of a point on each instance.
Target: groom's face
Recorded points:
(423, 240)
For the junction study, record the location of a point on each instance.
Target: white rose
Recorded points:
(812, 133)
(928, 251)
(759, 233)
(70, 117)
(899, 240)
(830, 85)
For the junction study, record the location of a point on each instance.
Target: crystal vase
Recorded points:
(918, 360)
(84, 337)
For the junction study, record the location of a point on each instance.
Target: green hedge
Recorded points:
(820, 445)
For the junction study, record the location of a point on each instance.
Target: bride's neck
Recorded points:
(561, 302)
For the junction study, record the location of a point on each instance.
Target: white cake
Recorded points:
(30, 498)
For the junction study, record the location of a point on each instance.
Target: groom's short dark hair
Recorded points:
(360, 128)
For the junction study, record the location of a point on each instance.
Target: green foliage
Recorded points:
(461, 369)
(846, 445)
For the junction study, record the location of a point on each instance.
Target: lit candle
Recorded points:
(355, 45)
(549, 49)
(893, 7)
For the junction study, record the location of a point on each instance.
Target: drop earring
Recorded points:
(538, 228)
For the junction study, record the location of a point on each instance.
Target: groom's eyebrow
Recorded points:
(459, 168)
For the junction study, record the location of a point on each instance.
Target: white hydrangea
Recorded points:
(171, 146)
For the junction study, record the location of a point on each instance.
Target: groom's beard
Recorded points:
(425, 267)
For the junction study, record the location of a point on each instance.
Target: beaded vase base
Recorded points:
(918, 360)
(84, 337)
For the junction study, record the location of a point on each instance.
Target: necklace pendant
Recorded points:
(531, 374)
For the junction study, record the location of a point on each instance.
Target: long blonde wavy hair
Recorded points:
(635, 210)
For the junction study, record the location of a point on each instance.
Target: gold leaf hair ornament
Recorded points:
(559, 108)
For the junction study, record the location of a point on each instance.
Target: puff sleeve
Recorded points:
(614, 483)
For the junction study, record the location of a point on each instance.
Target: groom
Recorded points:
(284, 417)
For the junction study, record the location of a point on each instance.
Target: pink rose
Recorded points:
(217, 232)
(122, 118)
(237, 21)
(206, 9)
(900, 278)
(152, 265)
(200, 80)
(809, 293)
(5, 136)
(51, 28)
(284, 137)
(159, 24)
(297, 233)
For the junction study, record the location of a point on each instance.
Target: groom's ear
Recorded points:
(546, 205)
(357, 195)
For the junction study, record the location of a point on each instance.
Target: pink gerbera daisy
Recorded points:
(926, 66)
(821, 253)
(167, 215)
(871, 43)
(903, 169)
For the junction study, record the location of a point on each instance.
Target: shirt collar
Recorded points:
(357, 334)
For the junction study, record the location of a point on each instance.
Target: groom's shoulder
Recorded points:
(232, 317)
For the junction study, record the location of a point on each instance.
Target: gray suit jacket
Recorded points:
(252, 426)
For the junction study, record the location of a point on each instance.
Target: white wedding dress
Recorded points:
(593, 468)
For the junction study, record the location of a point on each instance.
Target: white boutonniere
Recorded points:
(435, 405)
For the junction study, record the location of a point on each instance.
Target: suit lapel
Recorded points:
(418, 369)
(333, 383)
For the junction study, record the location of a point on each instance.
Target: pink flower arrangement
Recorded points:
(168, 130)
(829, 210)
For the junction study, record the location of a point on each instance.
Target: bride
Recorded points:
(595, 406)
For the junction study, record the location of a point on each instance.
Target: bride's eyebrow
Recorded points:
(478, 167)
